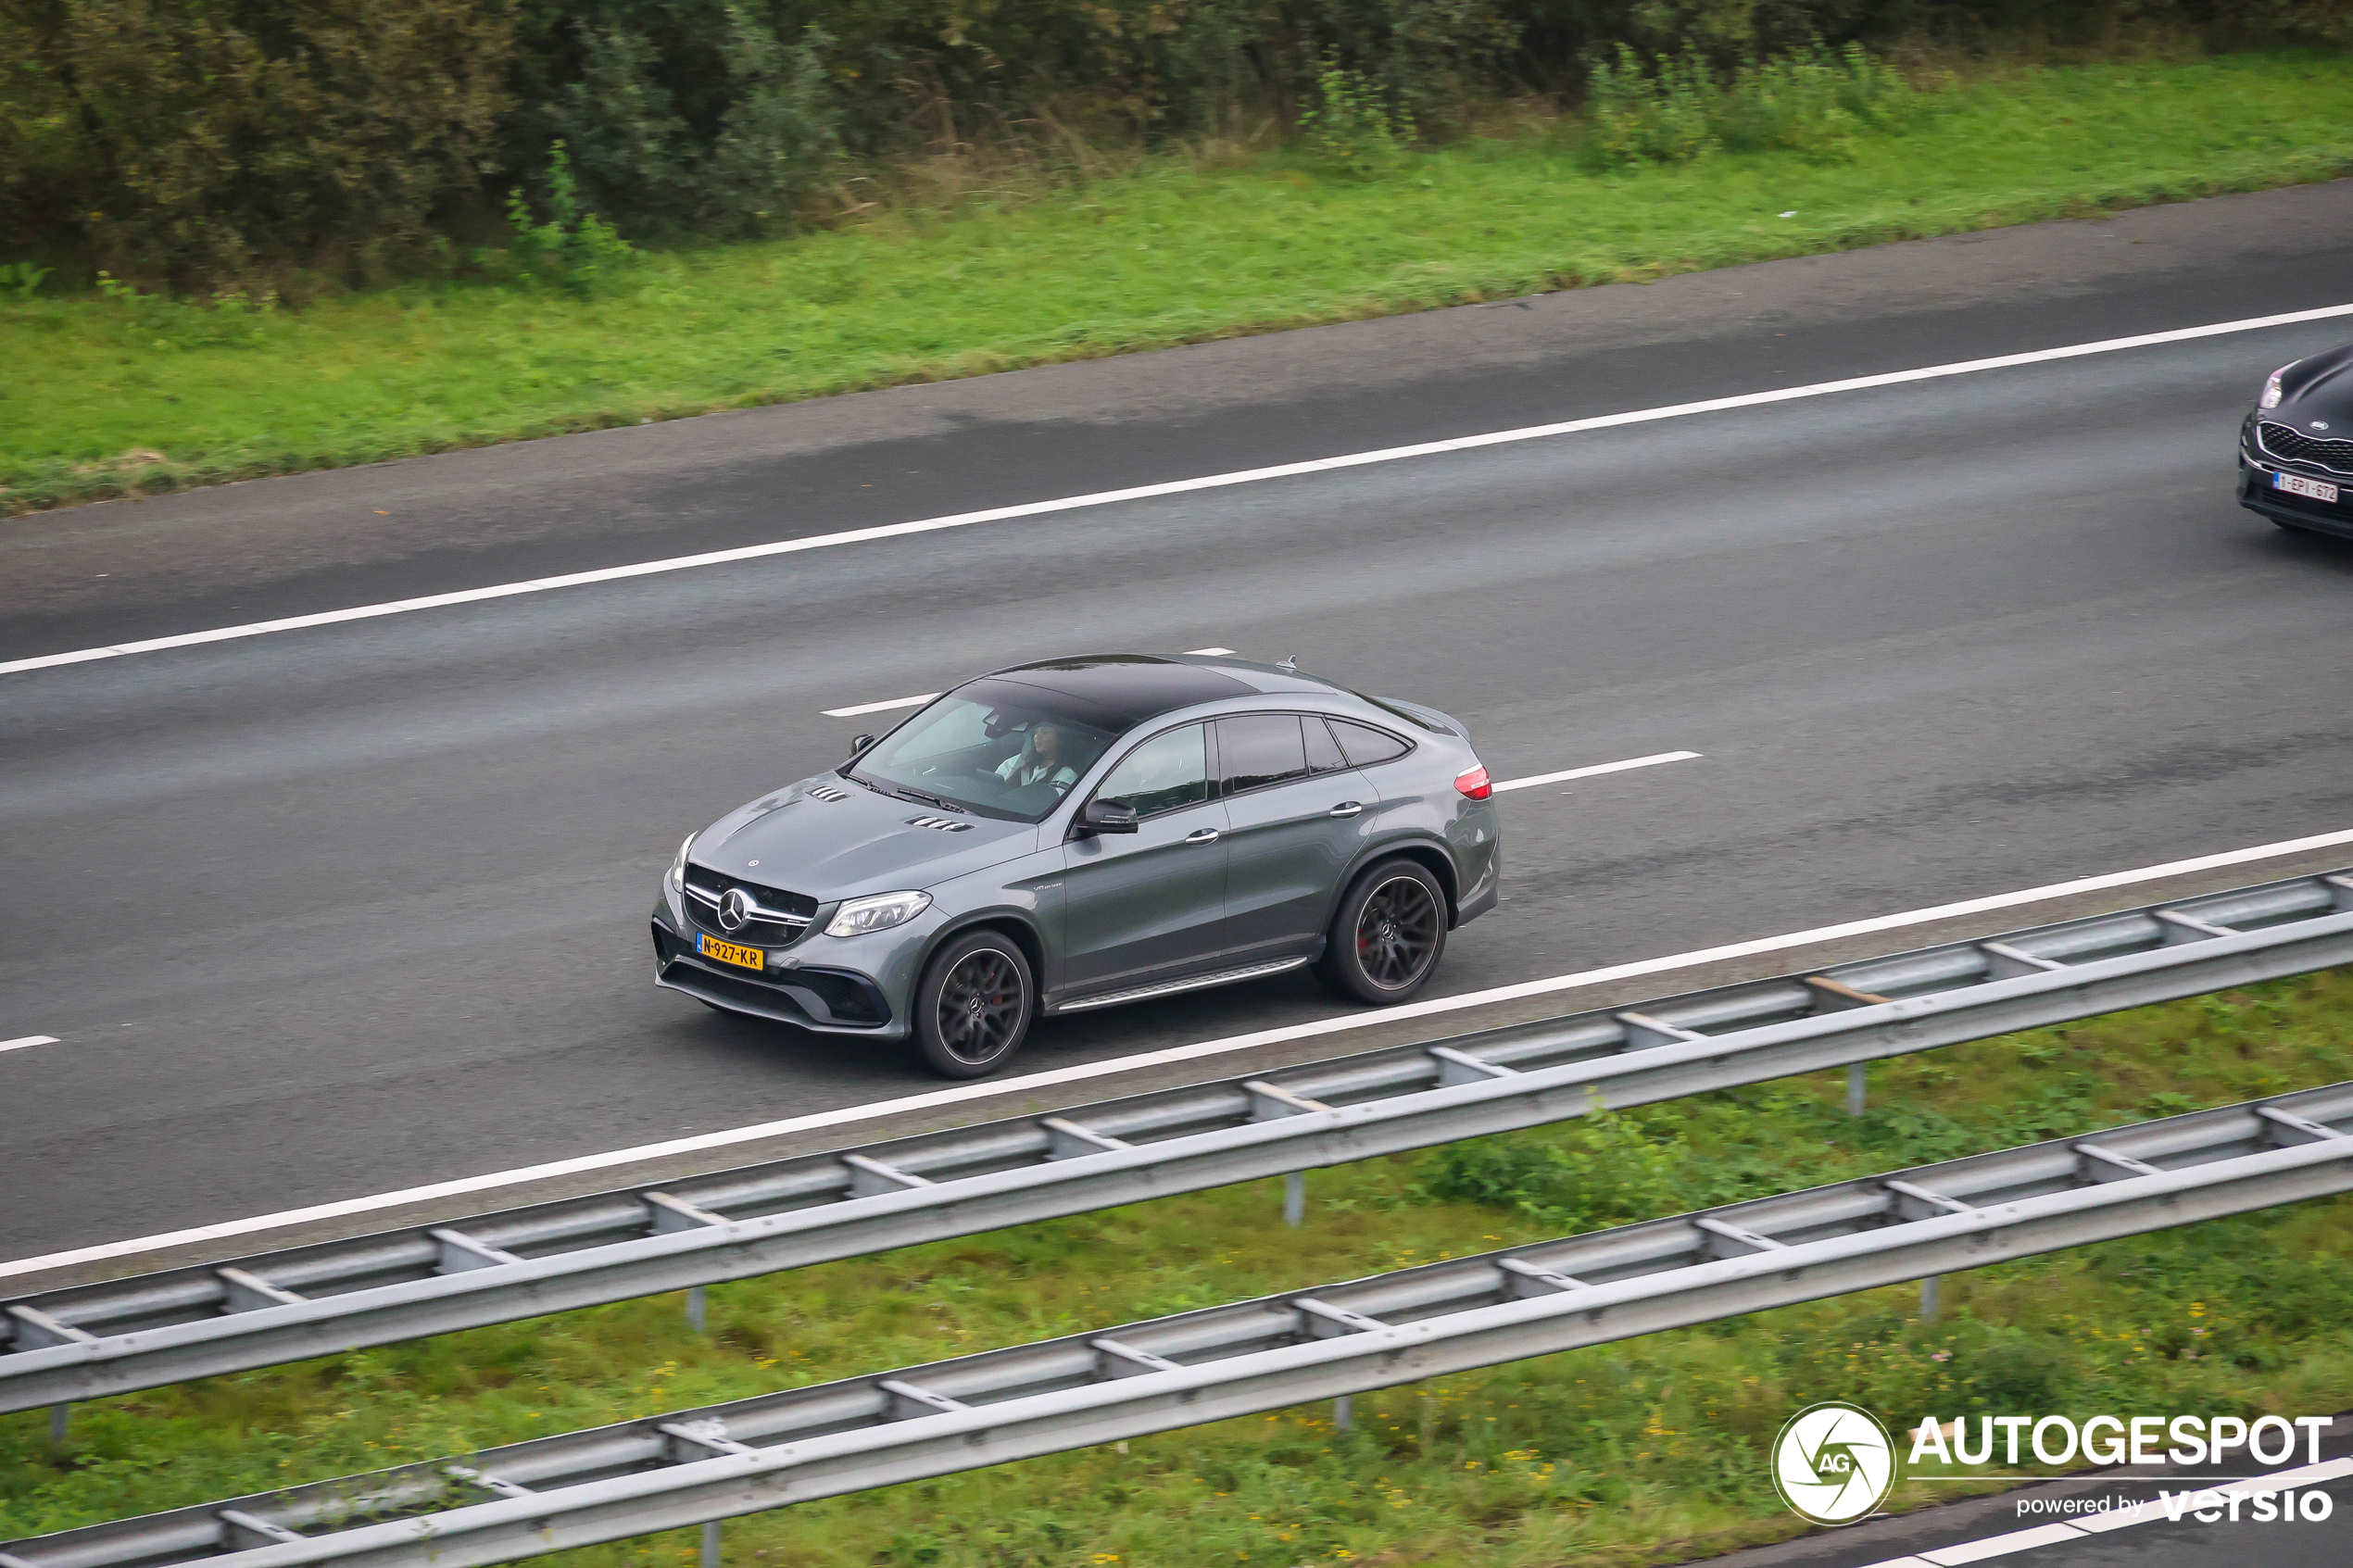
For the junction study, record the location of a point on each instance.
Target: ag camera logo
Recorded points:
(1834, 1463)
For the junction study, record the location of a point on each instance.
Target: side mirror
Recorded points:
(861, 743)
(1107, 816)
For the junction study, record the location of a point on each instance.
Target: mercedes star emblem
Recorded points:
(735, 909)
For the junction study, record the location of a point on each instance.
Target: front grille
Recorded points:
(2287, 442)
(706, 887)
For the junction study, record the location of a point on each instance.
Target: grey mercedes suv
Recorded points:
(1085, 832)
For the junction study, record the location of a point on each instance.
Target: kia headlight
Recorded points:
(2271, 394)
(858, 916)
(679, 865)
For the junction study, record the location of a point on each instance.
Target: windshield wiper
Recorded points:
(932, 800)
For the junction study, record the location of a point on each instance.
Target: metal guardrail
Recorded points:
(88, 1341)
(700, 1465)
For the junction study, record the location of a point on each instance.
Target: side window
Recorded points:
(1323, 752)
(1366, 745)
(1260, 748)
(1166, 771)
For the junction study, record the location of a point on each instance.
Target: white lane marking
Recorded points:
(1177, 487)
(919, 701)
(1598, 767)
(852, 712)
(1030, 1083)
(2116, 1519)
(18, 1044)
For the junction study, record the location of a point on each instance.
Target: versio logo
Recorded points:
(1833, 1463)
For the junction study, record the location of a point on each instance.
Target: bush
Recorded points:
(1350, 126)
(1812, 101)
(575, 250)
(202, 140)
(217, 144)
(682, 116)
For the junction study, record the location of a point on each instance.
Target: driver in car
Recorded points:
(1040, 759)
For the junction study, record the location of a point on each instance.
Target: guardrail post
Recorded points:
(59, 1415)
(697, 1310)
(1854, 1090)
(1295, 1199)
(1345, 1414)
(711, 1545)
(1927, 1299)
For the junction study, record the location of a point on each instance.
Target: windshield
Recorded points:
(994, 747)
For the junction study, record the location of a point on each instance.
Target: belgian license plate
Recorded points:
(2310, 489)
(728, 952)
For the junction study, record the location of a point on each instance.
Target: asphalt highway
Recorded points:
(327, 913)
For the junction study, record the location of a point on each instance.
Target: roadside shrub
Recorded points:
(23, 280)
(575, 250)
(1658, 118)
(202, 140)
(225, 145)
(1813, 102)
(680, 116)
(1349, 126)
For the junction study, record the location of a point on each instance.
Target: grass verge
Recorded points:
(1647, 1451)
(113, 398)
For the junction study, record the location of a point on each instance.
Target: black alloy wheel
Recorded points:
(1387, 934)
(973, 1007)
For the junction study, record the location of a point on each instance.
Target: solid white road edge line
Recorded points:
(915, 701)
(993, 1088)
(19, 1043)
(1599, 768)
(1175, 487)
(1988, 1547)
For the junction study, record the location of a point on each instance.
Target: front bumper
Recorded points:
(2256, 494)
(838, 996)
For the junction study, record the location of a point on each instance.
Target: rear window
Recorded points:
(1366, 745)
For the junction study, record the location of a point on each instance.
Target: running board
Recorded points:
(1170, 987)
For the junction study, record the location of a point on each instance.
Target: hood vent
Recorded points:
(941, 824)
(826, 792)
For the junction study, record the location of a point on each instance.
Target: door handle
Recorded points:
(1202, 835)
(1347, 809)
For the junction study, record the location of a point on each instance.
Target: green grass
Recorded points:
(105, 399)
(1648, 1449)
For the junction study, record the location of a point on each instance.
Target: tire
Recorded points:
(1387, 934)
(974, 1005)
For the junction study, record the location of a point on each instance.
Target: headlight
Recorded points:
(2271, 399)
(678, 866)
(859, 916)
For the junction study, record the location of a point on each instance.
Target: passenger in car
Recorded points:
(1040, 757)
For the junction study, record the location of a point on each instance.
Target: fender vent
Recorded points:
(826, 792)
(938, 823)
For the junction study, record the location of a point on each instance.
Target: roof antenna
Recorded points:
(1290, 664)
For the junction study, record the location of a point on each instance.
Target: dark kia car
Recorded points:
(2295, 449)
(1083, 833)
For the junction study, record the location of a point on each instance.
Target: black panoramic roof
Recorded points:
(1119, 691)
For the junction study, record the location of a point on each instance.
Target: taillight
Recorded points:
(1474, 783)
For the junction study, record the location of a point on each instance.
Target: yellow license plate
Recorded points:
(727, 952)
